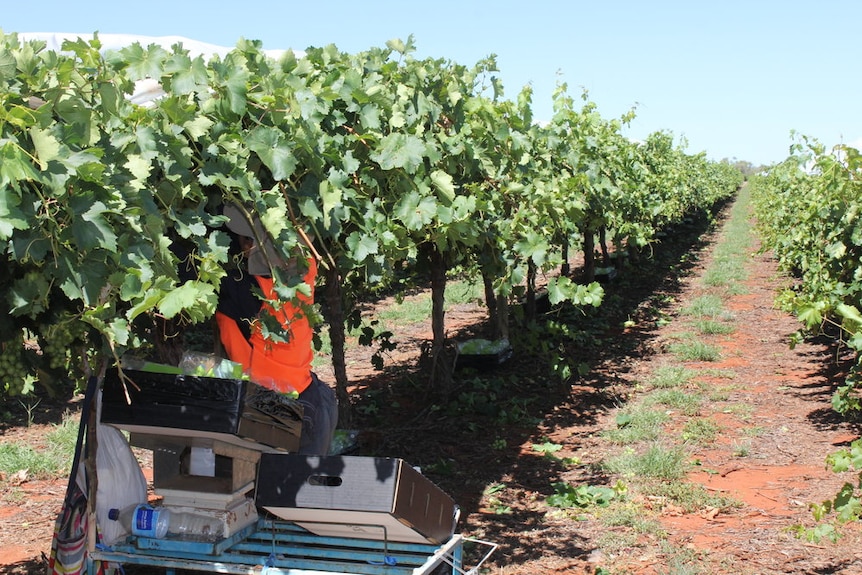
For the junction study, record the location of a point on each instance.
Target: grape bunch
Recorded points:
(15, 374)
(60, 342)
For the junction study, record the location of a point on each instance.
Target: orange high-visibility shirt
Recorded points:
(281, 366)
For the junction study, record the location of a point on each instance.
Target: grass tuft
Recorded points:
(671, 376)
(657, 462)
(635, 424)
(695, 350)
(48, 461)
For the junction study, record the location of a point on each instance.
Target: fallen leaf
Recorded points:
(19, 477)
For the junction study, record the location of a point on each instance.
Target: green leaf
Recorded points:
(15, 165)
(93, 230)
(362, 246)
(397, 45)
(810, 316)
(138, 166)
(849, 312)
(82, 278)
(236, 84)
(148, 302)
(187, 75)
(46, 145)
(535, 246)
(416, 211)
(274, 150)
(118, 331)
(332, 200)
(369, 117)
(198, 126)
(400, 151)
(196, 299)
(444, 185)
(143, 64)
(847, 504)
(29, 295)
(624, 419)
(839, 461)
(836, 250)
(547, 447)
(11, 218)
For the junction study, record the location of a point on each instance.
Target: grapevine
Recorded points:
(387, 158)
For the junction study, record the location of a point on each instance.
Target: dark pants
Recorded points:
(319, 417)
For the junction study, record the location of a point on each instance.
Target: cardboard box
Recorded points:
(229, 410)
(230, 477)
(352, 496)
(210, 500)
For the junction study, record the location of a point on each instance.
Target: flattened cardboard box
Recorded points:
(230, 410)
(352, 496)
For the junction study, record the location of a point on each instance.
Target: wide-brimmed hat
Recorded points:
(259, 260)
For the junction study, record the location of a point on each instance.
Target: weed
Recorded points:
(709, 305)
(669, 376)
(657, 462)
(700, 430)
(683, 561)
(695, 350)
(686, 403)
(720, 373)
(494, 503)
(742, 410)
(637, 424)
(14, 495)
(721, 393)
(614, 542)
(417, 309)
(44, 462)
(30, 407)
(754, 431)
(692, 497)
(441, 467)
(629, 514)
(714, 327)
(741, 449)
(567, 495)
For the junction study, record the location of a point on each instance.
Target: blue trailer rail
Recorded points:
(273, 547)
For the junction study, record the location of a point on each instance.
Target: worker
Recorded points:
(283, 366)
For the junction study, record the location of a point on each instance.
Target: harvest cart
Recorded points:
(367, 539)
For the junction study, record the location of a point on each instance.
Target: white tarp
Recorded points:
(55, 41)
(145, 90)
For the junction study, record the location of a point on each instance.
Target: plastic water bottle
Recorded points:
(142, 520)
(195, 526)
(158, 522)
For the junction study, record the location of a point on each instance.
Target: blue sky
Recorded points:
(731, 77)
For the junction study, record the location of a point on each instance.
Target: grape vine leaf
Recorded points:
(849, 312)
(11, 218)
(400, 151)
(197, 299)
(274, 151)
(362, 246)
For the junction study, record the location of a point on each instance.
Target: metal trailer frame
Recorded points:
(276, 547)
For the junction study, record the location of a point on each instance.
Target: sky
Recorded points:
(733, 79)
